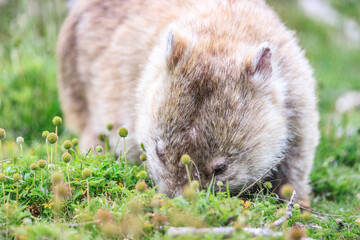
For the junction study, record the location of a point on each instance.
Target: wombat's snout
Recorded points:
(173, 178)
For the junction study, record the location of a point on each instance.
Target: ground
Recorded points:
(28, 102)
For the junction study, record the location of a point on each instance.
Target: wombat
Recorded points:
(221, 80)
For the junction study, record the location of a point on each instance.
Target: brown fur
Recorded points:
(224, 81)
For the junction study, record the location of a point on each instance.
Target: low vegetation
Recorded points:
(66, 194)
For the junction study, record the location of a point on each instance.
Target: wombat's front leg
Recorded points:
(89, 138)
(296, 167)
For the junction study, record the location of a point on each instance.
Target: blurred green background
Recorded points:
(29, 100)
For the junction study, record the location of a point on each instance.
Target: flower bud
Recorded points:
(99, 149)
(189, 193)
(86, 173)
(57, 178)
(44, 134)
(143, 157)
(17, 177)
(142, 175)
(2, 177)
(34, 166)
(109, 126)
(2, 133)
(19, 140)
(141, 186)
(66, 157)
(123, 132)
(67, 145)
(75, 141)
(57, 121)
(52, 138)
(185, 159)
(195, 184)
(286, 191)
(268, 185)
(42, 163)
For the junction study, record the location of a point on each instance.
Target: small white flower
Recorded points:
(19, 140)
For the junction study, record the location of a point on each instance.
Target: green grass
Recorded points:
(45, 211)
(28, 101)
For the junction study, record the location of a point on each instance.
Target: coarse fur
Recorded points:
(223, 81)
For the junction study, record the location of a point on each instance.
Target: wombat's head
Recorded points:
(218, 101)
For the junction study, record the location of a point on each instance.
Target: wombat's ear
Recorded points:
(176, 45)
(260, 63)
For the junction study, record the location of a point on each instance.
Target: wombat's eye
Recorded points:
(219, 169)
(160, 152)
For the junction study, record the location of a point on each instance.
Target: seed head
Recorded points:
(44, 134)
(99, 149)
(19, 140)
(67, 145)
(2, 177)
(34, 166)
(297, 233)
(185, 159)
(17, 177)
(306, 216)
(195, 184)
(86, 173)
(102, 137)
(143, 157)
(52, 138)
(189, 193)
(109, 126)
(42, 163)
(142, 175)
(219, 184)
(286, 191)
(141, 186)
(62, 190)
(57, 121)
(57, 178)
(296, 206)
(157, 201)
(104, 217)
(2, 133)
(123, 132)
(158, 219)
(66, 157)
(268, 185)
(75, 141)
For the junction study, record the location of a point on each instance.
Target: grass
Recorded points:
(28, 101)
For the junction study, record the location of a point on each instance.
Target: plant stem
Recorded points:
(126, 166)
(67, 169)
(56, 144)
(3, 186)
(1, 157)
(22, 152)
(41, 177)
(88, 194)
(227, 188)
(47, 150)
(188, 173)
(17, 194)
(34, 178)
(51, 150)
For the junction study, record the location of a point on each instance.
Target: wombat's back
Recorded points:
(102, 48)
